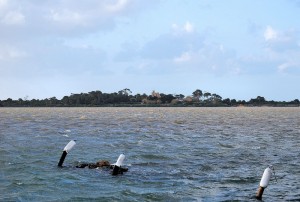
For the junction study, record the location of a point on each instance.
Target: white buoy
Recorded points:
(120, 160)
(264, 182)
(66, 150)
(118, 164)
(69, 146)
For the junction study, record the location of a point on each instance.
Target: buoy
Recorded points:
(66, 150)
(117, 166)
(265, 179)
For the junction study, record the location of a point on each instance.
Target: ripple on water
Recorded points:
(173, 154)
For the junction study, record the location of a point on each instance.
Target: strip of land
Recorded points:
(125, 98)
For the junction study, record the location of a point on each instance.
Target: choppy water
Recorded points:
(173, 154)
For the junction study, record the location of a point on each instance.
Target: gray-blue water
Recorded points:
(173, 154)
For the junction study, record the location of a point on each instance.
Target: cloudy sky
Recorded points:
(238, 49)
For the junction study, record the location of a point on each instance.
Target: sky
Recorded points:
(238, 49)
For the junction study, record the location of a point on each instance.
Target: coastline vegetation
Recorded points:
(125, 98)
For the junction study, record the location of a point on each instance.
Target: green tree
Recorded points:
(216, 97)
(227, 101)
(127, 91)
(259, 100)
(197, 94)
(233, 101)
(65, 101)
(166, 98)
(296, 101)
(206, 95)
(179, 96)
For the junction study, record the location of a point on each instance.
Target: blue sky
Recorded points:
(238, 49)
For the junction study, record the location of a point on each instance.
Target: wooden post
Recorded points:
(259, 193)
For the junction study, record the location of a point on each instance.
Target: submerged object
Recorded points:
(104, 164)
(66, 150)
(99, 164)
(264, 182)
(117, 166)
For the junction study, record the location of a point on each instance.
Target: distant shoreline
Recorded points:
(124, 98)
(157, 106)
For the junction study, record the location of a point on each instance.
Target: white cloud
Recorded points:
(11, 53)
(175, 26)
(184, 57)
(188, 27)
(94, 13)
(283, 67)
(13, 18)
(118, 6)
(289, 67)
(174, 46)
(3, 3)
(270, 34)
(66, 17)
(281, 40)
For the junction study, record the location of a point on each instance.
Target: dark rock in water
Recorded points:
(101, 164)
(82, 165)
(118, 170)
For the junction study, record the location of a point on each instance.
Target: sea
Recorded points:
(173, 154)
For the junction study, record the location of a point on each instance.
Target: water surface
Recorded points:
(173, 154)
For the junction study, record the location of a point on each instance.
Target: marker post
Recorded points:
(264, 182)
(66, 150)
(117, 167)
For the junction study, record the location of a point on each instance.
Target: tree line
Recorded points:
(124, 97)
